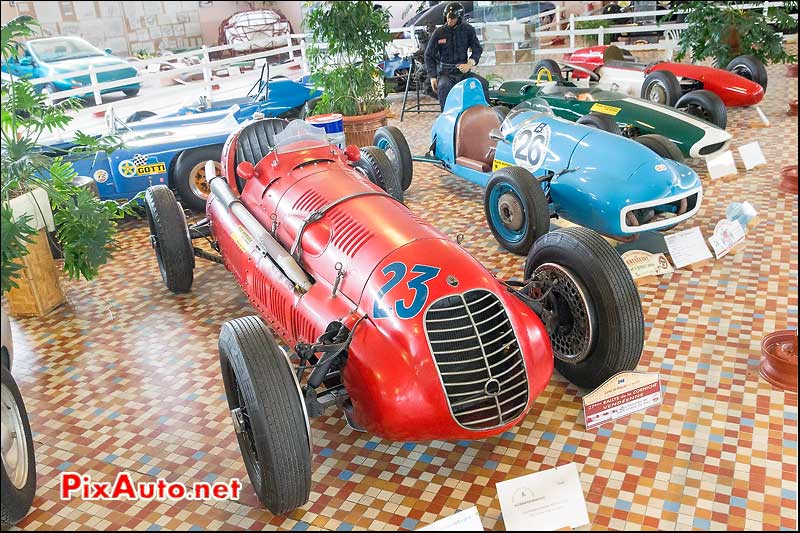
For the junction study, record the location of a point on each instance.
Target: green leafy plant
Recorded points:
(591, 39)
(348, 40)
(85, 224)
(723, 30)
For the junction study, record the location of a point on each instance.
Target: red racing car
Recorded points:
(742, 84)
(387, 318)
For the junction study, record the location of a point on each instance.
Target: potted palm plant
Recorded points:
(348, 40)
(85, 224)
(723, 31)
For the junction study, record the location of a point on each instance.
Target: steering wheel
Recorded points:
(594, 76)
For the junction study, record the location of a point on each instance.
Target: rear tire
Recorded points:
(595, 290)
(661, 146)
(399, 154)
(189, 175)
(749, 67)
(516, 209)
(375, 164)
(601, 122)
(661, 87)
(549, 70)
(704, 105)
(169, 236)
(131, 92)
(18, 484)
(274, 437)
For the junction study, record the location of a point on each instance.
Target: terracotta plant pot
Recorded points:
(792, 108)
(789, 179)
(791, 70)
(360, 129)
(779, 359)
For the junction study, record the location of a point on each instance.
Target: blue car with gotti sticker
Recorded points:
(173, 150)
(535, 166)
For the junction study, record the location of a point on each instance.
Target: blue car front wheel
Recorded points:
(516, 209)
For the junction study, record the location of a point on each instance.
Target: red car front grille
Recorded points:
(478, 359)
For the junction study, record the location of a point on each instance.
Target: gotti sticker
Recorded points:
(141, 165)
(100, 176)
(605, 109)
(531, 145)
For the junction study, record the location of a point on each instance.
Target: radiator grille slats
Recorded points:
(478, 359)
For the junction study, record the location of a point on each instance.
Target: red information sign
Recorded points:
(621, 395)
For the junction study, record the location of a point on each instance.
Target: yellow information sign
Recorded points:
(498, 164)
(606, 109)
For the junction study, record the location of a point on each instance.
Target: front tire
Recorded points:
(661, 87)
(269, 413)
(749, 67)
(516, 209)
(704, 105)
(549, 71)
(601, 122)
(169, 236)
(189, 176)
(392, 141)
(600, 327)
(18, 473)
(379, 170)
(661, 146)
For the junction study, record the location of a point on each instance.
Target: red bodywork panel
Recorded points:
(734, 90)
(390, 374)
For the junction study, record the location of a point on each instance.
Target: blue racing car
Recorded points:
(535, 166)
(172, 149)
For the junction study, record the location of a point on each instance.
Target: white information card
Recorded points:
(721, 165)
(466, 520)
(687, 247)
(752, 156)
(727, 234)
(544, 501)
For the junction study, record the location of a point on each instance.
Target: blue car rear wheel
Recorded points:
(516, 209)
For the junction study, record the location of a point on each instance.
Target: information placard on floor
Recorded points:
(543, 501)
(466, 520)
(621, 395)
(687, 247)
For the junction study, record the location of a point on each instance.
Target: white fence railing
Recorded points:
(206, 64)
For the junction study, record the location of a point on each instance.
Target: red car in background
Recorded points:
(742, 83)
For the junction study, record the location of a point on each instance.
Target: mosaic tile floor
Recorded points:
(126, 377)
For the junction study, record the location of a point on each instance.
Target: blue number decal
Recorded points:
(417, 284)
(398, 271)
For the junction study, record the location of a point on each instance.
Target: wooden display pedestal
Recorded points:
(39, 291)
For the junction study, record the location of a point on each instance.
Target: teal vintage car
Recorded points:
(615, 112)
(42, 58)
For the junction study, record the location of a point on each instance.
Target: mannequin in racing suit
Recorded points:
(449, 46)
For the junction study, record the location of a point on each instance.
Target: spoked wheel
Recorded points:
(592, 309)
(661, 87)
(268, 413)
(169, 236)
(516, 209)
(18, 476)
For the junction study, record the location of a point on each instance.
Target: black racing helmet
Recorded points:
(454, 10)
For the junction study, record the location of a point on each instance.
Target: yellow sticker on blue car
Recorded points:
(498, 164)
(141, 165)
(606, 109)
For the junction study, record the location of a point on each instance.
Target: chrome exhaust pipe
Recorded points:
(260, 236)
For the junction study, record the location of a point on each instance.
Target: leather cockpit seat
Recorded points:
(474, 147)
(258, 139)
